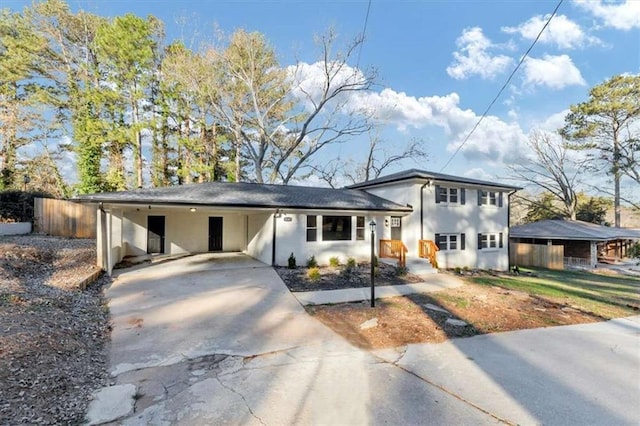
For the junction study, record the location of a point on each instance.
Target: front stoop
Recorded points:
(419, 266)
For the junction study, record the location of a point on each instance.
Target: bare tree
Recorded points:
(551, 170)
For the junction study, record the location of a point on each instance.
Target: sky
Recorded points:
(440, 63)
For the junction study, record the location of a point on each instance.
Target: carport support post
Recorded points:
(372, 225)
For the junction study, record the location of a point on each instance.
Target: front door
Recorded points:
(396, 228)
(155, 234)
(215, 233)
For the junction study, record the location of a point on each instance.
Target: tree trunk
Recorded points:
(616, 178)
(138, 144)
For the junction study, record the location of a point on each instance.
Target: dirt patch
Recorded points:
(340, 277)
(53, 335)
(415, 319)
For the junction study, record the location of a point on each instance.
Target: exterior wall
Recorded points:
(185, 232)
(441, 218)
(260, 236)
(292, 238)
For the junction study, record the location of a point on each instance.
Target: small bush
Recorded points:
(375, 261)
(292, 261)
(351, 263)
(312, 262)
(457, 270)
(401, 271)
(334, 261)
(634, 251)
(350, 269)
(313, 273)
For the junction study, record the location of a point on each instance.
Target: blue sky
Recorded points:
(440, 63)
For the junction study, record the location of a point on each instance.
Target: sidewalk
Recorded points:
(434, 282)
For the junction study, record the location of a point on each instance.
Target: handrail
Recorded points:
(427, 249)
(394, 249)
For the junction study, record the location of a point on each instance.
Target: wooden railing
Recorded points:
(427, 249)
(394, 249)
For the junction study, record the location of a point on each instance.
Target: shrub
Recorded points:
(401, 271)
(313, 273)
(457, 270)
(292, 261)
(375, 261)
(334, 261)
(634, 250)
(350, 269)
(351, 263)
(312, 262)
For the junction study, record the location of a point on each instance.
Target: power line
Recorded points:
(364, 31)
(504, 86)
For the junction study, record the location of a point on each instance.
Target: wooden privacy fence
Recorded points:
(539, 255)
(64, 218)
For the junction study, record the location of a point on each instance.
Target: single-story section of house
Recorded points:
(584, 243)
(434, 220)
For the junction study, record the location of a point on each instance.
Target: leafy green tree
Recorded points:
(125, 52)
(21, 90)
(592, 209)
(543, 207)
(607, 124)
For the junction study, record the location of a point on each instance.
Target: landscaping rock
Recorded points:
(456, 322)
(111, 403)
(373, 322)
(436, 308)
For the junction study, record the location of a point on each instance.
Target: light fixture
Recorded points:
(372, 226)
(192, 209)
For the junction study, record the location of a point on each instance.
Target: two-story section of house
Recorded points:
(461, 222)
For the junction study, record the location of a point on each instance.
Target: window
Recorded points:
(446, 195)
(489, 198)
(359, 227)
(489, 241)
(446, 242)
(336, 228)
(312, 228)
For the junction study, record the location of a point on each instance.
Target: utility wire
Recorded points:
(504, 86)
(364, 31)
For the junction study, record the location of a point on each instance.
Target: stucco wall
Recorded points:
(292, 238)
(185, 232)
(259, 236)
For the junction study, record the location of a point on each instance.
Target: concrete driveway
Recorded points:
(210, 340)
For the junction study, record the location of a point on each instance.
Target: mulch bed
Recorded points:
(341, 277)
(53, 334)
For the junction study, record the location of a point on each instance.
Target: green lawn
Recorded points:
(595, 292)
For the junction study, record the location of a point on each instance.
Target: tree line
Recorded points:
(138, 111)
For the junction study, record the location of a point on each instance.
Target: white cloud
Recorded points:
(561, 31)
(555, 72)
(622, 16)
(473, 58)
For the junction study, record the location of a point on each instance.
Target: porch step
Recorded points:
(419, 266)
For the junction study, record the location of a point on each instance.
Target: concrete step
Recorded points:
(419, 266)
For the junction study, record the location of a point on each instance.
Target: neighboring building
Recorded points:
(584, 243)
(466, 218)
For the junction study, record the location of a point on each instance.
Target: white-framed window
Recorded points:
(312, 228)
(359, 227)
(449, 195)
(490, 240)
(489, 198)
(395, 222)
(448, 242)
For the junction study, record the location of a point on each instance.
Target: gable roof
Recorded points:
(256, 195)
(571, 230)
(426, 175)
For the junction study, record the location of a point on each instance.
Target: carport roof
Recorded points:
(250, 195)
(571, 230)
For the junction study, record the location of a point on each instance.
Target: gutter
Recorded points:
(273, 242)
(422, 209)
(509, 228)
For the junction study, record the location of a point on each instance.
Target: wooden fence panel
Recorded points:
(64, 218)
(538, 255)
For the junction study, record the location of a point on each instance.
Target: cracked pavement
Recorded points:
(211, 340)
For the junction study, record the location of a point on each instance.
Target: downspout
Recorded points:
(422, 209)
(509, 228)
(273, 244)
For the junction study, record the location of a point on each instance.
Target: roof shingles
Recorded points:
(246, 195)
